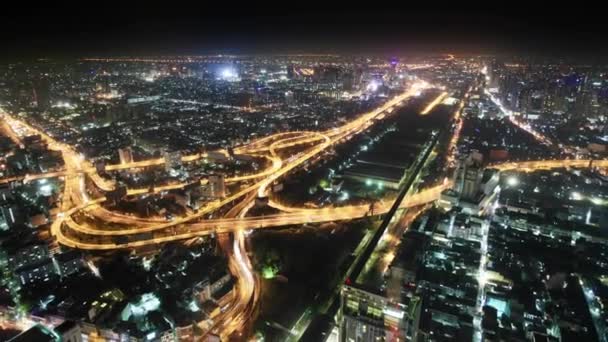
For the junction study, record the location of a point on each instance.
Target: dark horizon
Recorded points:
(56, 34)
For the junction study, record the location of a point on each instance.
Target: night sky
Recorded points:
(63, 32)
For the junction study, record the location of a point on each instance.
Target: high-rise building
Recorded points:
(173, 160)
(126, 155)
(6, 192)
(468, 176)
(37, 333)
(10, 217)
(37, 273)
(392, 73)
(291, 72)
(351, 79)
(216, 186)
(368, 316)
(472, 181)
(348, 81)
(69, 331)
(29, 256)
(289, 98)
(41, 89)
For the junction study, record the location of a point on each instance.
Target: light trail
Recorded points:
(296, 216)
(255, 147)
(451, 149)
(338, 134)
(434, 103)
(240, 264)
(525, 126)
(68, 232)
(8, 131)
(299, 216)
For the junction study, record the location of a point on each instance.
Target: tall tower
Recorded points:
(126, 155)
(472, 181)
(41, 91)
(468, 176)
(217, 186)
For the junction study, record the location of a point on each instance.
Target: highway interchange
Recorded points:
(242, 302)
(124, 231)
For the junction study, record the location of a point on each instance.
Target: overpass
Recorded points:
(179, 228)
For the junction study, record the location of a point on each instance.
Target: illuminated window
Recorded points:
(352, 305)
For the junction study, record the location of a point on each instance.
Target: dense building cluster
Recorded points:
(568, 101)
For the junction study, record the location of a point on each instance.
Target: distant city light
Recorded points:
(344, 196)
(512, 181)
(148, 302)
(46, 190)
(576, 196)
(399, 314)
(373, 86)
(62, 104)
(229, 74)
(483, 278)
(193, 306)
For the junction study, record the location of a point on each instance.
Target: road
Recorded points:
(330, 138)
(68, 231)
(7, 131)
(75, 198)
(242, 311)
(526, 126)
(183, 228)
(434, 103)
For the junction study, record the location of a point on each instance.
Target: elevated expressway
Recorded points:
(178, 229)
(128, 231)
(75, 197)
(242, 304)
(141, 232)
(289, 215)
